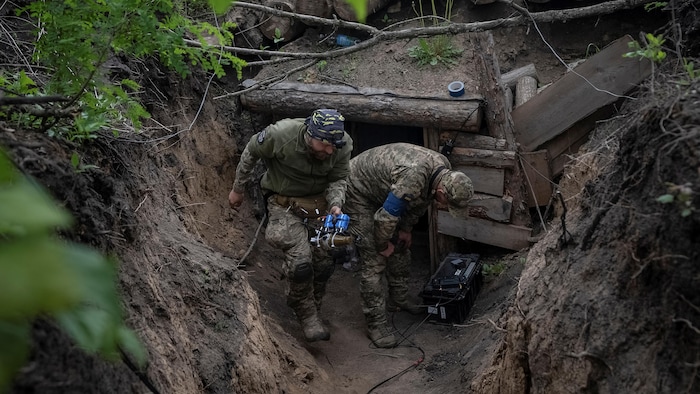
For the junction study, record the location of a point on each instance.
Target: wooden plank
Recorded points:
(562, 143)
(607, 75)
(482, 157)
(491, 207)
(366, 105)
(506, 236)
(485, 179)
(558, 163)
(538, 177)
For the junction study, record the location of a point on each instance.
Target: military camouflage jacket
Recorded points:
(291, 170)
(403, 169)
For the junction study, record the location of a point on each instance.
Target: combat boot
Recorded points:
(405, 305)
(314, 330)
(382, 337)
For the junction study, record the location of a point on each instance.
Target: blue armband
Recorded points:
(394, 205)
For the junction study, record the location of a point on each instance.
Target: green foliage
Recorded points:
(360, 7)
(435, 50)
(690, 70)
(75, 38)
(652, 51)
(78, 165)
(654, 5)
(41, 275)
(439, 49)
(681, 195)
(321, 65)
(493, 269)
(278, 36)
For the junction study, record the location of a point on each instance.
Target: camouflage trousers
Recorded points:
(287, 232)
(376, 271)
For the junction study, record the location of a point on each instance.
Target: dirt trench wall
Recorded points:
(161, 208)
(615, 311)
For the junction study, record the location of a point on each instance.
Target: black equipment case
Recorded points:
(452, 290)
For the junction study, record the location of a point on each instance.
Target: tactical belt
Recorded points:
(305, 207)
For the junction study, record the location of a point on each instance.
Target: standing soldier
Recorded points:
(389, 188)
(303, 158)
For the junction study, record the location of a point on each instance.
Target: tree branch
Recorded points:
(450, 28)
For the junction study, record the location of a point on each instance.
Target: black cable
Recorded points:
(566, 236)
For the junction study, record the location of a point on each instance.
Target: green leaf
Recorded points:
(665, 199)
(27, 209)
(220, 6)
(360, 7)
(15, 350)
(34, 278)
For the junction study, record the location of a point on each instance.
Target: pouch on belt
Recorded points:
(307, 207)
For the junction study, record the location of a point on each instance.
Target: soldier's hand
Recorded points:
(235, 199)
(405, 239)
(335, 210)
(388, 251)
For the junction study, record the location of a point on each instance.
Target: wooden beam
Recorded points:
(482, 157)
(538, 177)
(367, 105)
(471, 140)
(506, 236)
(597, 82)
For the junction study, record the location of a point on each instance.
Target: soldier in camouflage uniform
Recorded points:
(303, 157)
(389, 188)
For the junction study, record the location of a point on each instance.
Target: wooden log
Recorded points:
(345, 12)
(509, 99)
(483, 157)
(510, 79)
(470, 140)
(320, 8)
(488, 232)
(485, 179)
(491, 207)
(498, 121)
(606, 76)
(366, 105)
(525, 90)
(279, 27)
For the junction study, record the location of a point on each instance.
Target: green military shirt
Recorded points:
(291, 170)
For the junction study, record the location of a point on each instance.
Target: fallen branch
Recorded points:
(450, 28)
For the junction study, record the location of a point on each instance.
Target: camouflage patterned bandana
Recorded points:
(326, 125)
(459, 190)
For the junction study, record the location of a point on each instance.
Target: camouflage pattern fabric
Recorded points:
(376, 272)
(288, 232)
(326, 125)
(405, 170)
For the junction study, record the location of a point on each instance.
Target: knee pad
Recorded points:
(324, 274)
(302, 272)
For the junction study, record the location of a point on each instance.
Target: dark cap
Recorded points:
(327, 125)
